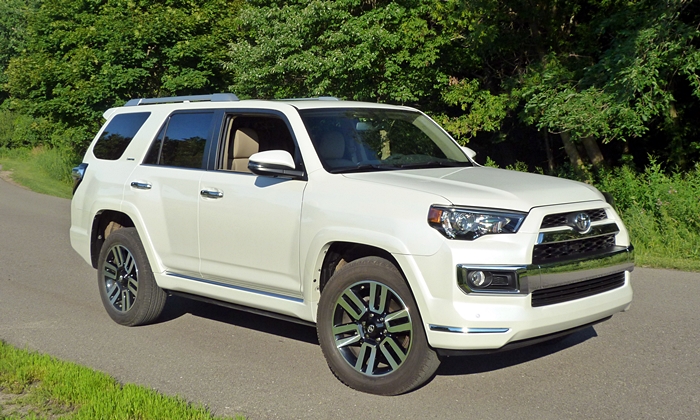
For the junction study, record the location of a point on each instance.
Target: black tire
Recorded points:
(371, 332)
(127, 287)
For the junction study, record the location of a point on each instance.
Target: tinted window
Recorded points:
(183, 141)
(358, 140)
(118, 134)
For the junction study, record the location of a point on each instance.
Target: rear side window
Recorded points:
(182, 141)
(118, 134)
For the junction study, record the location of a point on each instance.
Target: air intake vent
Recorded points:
(569, 292)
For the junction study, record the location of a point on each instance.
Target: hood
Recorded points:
(487, 187)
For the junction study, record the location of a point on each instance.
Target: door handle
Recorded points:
(211, 194)
(141, 185)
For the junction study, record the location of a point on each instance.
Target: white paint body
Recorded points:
(263, 244)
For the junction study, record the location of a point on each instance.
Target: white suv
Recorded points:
(367, 221)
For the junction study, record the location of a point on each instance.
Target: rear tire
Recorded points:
(127, 287)
(371, 332)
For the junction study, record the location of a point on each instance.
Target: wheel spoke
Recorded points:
(113, 292)
(110, 271)
(129, 263)
(344, 329)
(360, 365)
(116, 252)
(383, 291)
(403, 321)
(353, 305)
(126, 300)
(132, 285)
(396, 357)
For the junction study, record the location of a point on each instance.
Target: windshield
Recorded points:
(363, 139)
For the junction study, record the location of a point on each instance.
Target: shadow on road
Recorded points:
(465, 365)
(455, 365)
(178, 306)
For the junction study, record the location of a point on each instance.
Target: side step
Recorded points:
(244, 308)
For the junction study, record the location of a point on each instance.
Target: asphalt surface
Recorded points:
(642, 364)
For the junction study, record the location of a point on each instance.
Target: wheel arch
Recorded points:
(340, 253)
(104, 223)
(330, 257)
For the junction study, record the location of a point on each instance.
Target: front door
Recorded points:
(249, 225)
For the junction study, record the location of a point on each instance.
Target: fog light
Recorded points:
(479, 279)
(490, 280)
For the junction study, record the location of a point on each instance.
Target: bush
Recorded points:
(23, 131)
(660, 210)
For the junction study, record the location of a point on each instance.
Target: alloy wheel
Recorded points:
(121, 279)
(372, 328)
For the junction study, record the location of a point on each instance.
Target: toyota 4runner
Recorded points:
(367, 221)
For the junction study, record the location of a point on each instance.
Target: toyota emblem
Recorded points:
(581, 222)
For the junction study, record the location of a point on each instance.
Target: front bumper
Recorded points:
(490, 322)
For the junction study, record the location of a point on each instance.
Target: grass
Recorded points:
(46, 171)
(37, 386)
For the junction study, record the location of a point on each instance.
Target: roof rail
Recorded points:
(318, 98)
(216, 97)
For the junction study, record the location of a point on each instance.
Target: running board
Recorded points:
(244, 308)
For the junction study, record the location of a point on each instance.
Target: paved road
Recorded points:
(642, 364)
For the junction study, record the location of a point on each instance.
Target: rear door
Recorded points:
(165, 189)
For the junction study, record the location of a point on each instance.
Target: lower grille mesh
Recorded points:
(568, 292)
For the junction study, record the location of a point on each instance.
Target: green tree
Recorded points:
(379, 50)
(84, 56)
(13, 22)
(649, 54)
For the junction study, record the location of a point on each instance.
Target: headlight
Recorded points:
(469, 224)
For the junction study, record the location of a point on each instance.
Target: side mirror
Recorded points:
(274, 163)
(469, 152)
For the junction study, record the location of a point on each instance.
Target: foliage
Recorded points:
(483, 111)
(660, 210)
(380, 51)
(82, 57)
(603, 70)
(43, 170)
(13, 21)
(618, 93)
(488, 70)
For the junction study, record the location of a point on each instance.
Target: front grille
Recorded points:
(559, 219)
(569, 292)
(558, 251)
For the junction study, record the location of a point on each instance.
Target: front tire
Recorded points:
(371, 332)
(127, 287)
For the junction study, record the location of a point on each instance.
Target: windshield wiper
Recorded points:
(434, 164)
(364, 167)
